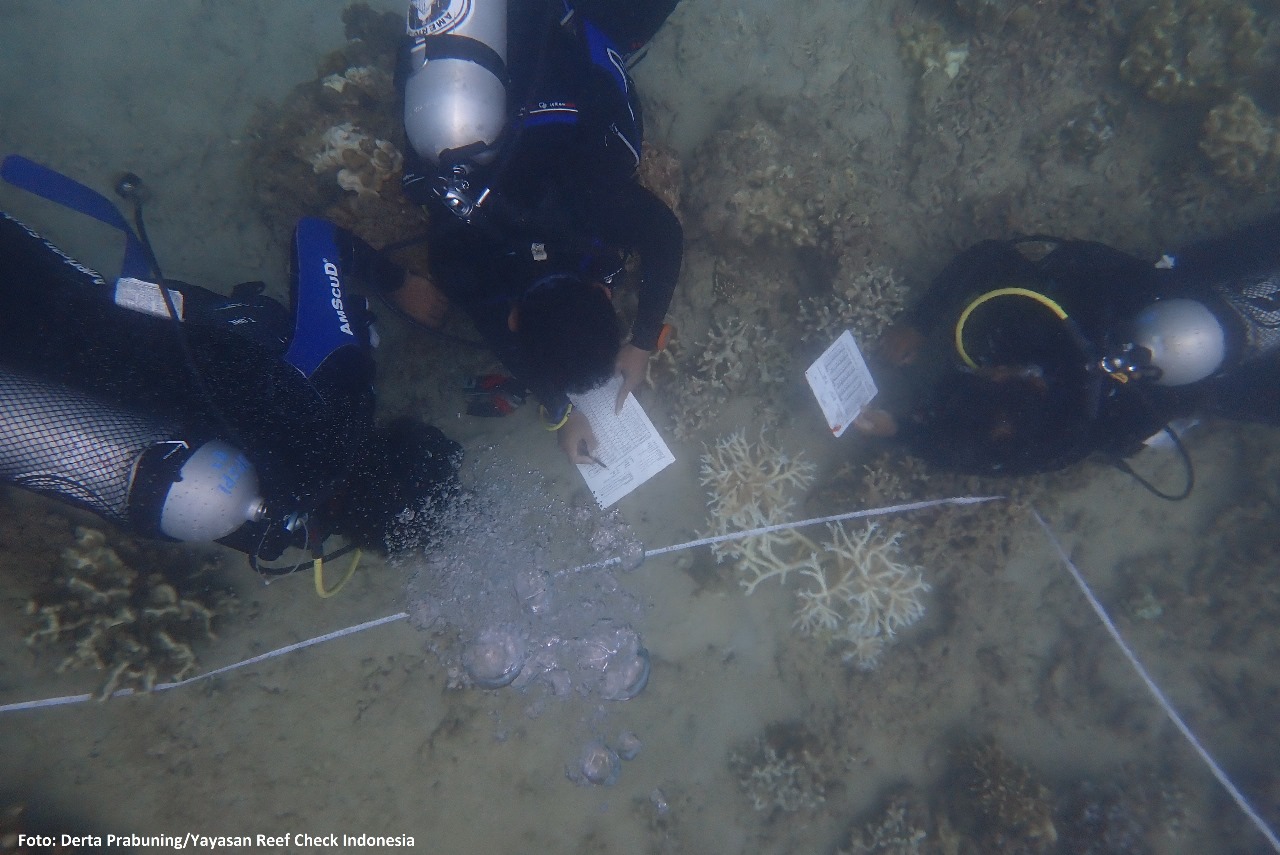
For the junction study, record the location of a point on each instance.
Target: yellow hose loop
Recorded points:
(317, 566)
(991, 295)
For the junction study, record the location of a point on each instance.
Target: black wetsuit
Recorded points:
(243, 371)
(1037, 402)
(564, 195)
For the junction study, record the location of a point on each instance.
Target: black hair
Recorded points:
(407, 466)
(569, 333)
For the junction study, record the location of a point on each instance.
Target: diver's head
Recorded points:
(569, 332)
(407, 469)
(1186, 341)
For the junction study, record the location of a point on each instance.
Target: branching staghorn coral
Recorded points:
(855, 590)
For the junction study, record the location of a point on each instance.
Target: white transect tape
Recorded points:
(1235, 794)
(160, 687)
(755, 532)
(1098, 609)
(351, 630)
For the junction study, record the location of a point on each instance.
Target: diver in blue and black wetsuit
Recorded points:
(527, 174)
(193, 416)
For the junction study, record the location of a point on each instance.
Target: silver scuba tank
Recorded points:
(1186, 340)
(216, 493)
(456, 95)
(119, 464)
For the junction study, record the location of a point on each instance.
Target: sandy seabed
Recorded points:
(363, 735)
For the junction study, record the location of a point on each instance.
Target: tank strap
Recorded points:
(453, 46)
(56, 187)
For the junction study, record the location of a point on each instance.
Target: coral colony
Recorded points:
(137, 627)
(854, 589)
(362, 163)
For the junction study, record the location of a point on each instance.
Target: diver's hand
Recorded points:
(901, 344)
(575, 436)
(631, 364)
(420, 300)
(875, 422)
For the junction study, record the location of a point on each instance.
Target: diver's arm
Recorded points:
(366, 264)
(625, 214)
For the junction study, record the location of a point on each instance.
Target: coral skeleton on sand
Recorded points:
(854, 589)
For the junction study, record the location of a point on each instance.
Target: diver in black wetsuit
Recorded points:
(1015, 363)
(530, 219)
(239, 422)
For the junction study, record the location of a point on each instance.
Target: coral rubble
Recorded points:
(900, 830)
(138, 628)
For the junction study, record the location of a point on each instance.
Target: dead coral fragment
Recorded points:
(139, 629)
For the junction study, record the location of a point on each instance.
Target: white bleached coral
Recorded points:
(860, 593)
(855, 589)
(752, 486)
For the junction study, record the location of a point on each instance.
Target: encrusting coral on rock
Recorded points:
(856, 591)
(330, 148)
(360, 162)
(138, 628)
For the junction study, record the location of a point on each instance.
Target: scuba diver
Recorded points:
(1017, 362)
(181, 414)
(525, 133)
